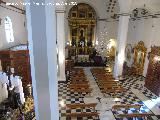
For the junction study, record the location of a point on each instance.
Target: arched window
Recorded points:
(9, 30)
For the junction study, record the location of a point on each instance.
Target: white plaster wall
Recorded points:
(139, 30)
(147, 30)
(156, 32)
(20, 32)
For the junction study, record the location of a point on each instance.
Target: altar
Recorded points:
(83, 58)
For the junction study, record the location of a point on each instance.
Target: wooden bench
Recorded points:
(135, 115)
(78, 77)
(102, 86)
(79, 82)
(83, 114)
(131, 115)
(111, 80)
(81, 90)
(127, 106)
(82, 106)
(108, 83)
(113, 90)
(78, 105)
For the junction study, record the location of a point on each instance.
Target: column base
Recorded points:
(62, 79)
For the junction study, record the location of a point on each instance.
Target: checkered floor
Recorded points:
(127, 98)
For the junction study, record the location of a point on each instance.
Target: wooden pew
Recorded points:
(103, 86)
(107, 83)
(80, 85)
(113, 90)
(79, 82)
(130, 115)
(135, 115)
(81, 90)
(127, 106)
(82, 114)
(79, 105)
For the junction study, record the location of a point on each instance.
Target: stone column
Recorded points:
(121, 44)
(148, 45)
(41, 25)
(60, 14)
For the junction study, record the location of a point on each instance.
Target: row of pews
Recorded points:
(109, 85)
(80, 84)
(106, 82)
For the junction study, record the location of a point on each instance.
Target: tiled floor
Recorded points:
(135, 94)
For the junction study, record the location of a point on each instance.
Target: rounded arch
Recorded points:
(82, 7)
(87, 3)
(8, 29)
(82, 21)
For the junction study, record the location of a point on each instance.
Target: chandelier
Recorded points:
(102, 43)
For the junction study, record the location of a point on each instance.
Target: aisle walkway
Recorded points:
(105, 106)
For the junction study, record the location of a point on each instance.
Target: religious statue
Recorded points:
(89, 43)
(73, 42)
(81, 39)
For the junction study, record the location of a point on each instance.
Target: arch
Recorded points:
(87, 3)
(9, 29)
(82, 23)
(77, 7)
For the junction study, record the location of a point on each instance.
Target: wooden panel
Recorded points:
(152, 81)
(19, 60)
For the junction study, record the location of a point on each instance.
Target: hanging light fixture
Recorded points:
(102, 43)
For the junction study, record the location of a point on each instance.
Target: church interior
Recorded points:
(80, 60)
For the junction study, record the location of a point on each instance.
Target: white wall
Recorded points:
(19, 30)
(147, 30)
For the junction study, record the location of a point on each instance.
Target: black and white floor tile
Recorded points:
(132, 84)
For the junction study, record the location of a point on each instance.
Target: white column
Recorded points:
(41, 25)
(61, 43)
(121, 44)
(148, 45)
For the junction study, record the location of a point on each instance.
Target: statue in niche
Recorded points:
(129, 55)
(73, 42)
(89, 42)
(81, 39)
(140, 58)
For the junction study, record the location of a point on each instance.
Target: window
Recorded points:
(9, 30)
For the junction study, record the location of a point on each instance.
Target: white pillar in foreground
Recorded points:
(60, 14)
(41, 25)
(121, 44)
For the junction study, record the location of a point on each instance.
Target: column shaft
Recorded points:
(121, 44)
(61, 44)
(41, 25)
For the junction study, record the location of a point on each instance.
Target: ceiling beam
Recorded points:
(23, 11)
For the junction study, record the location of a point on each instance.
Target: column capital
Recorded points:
(125, 6)
(124, 14)
(60, 11)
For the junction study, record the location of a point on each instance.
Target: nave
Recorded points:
(110, 105)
